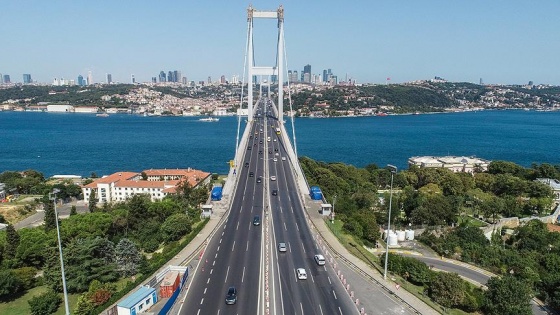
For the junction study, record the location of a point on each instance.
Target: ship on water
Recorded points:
(209, 119)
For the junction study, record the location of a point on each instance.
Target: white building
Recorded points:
(59, 108)
(554, 184)
(159, 183)
(86, 109)
(453, 163)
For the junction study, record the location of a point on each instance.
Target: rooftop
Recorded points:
(136, 297)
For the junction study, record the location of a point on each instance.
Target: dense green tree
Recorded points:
(127, 257)
(92, 202)
(31, 249)
(504, 167)
(73, 210)
(175, 227)
(12, 242)
(50, 216)
(447, 289)
(45, 304)
(27, 276)
(10, 285)
(84, 306)
(507, 295)
(86, 225)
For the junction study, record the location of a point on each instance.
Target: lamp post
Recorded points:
(393, 170)
(52, 196)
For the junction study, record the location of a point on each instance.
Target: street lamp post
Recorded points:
(393, 172)
(332, 212)
(52, 196)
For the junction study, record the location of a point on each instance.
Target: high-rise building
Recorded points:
(81, 80)
(294, 76)
(306, 70)
(154, 79)
(27, 78)
(132, 79)
(209, 80)
(184, 80)
(7, 78)
(1, 78)
(162, 76)
(325, 76)
(223, 79)
(89, 78)
(169, 76)
(109, 78)
(176, 76)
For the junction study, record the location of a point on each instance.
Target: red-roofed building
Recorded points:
(159, 183)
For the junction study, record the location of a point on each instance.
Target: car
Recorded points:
(282, 247)
(275, 192)
(246, 164)
(277, 154)
(259, 179)
(269, 152)
(231, 296)
(275, 159)
(274, 139)
(276, 149)
(301, 274)
(283, 158)
(249, 148)
(319, 259)
(256, 220)
(260, 141)
(251, 174)
(260, 152)
(272, 178)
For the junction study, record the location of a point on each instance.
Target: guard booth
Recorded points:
(326, 209)
(206, 211)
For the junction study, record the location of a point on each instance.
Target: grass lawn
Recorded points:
(470, 221)
(20, 306)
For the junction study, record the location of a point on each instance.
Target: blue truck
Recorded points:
(316, 193)
(216, 194)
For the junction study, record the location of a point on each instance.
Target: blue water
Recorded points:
(81, 143)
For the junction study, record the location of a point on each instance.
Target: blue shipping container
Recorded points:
(315, 193)
(216, 193)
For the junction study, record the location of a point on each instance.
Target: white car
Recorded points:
(319, 259)
(301, 274)
(275, 159)
(272, 178)
(283, 158)
(282, 247)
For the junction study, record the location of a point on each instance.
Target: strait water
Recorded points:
(83, 143)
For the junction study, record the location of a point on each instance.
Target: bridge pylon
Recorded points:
(268, 71)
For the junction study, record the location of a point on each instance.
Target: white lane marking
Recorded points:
(243, 275)
(301, 306)
(216, 256)
(329, 279)
(247, 249)
(303, 247)
(320, 309)
(227, 273)
(285, 228)
(220, 241)
(213, 263)
(281, 210)
(340, 310)
(334, 293)
(312, 279)
(208, 281)
(211, 271)
(237, 228)
(201, 301)
(223, 233)
(297, 227)
(218, 249)
(198, 313)
(205, 290)
(290, 246)
(233, 247)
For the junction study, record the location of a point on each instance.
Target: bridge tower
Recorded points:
(266, 70)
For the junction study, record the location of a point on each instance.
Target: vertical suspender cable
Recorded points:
(290, 102)
(241, 100)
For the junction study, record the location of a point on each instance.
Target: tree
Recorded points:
(127, 257)
(10, 284)
(73, 210)
(84, 306)
(50, 216)
(31, 249)
(12, 242)
(45, 304)
(175, 227)
(507, 295)
(447, 289)
(92, 202)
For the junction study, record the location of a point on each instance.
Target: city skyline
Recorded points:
(501, 42)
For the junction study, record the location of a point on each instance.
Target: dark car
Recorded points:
(248, 148)
(275, 192)
(246, 164)
(276, 149)
(231, 296)
(259, 180)
(251, 174)
(257, 220)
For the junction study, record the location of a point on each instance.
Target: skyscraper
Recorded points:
(27, 78)
(7, 78)
(109, 78)
(132, 79)
(89, 78)
(170, 76)
(325, 76)
(154, 79)
(1, 78)
(306, 75)
(81, 80)
(162, 76)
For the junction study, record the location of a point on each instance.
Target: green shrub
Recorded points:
(45, 304)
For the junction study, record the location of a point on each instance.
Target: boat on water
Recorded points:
(102, 115)
(209, 119)
(381, 114)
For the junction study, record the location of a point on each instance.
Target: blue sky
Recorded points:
(500, 41)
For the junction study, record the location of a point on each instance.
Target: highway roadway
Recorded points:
(322, 292)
